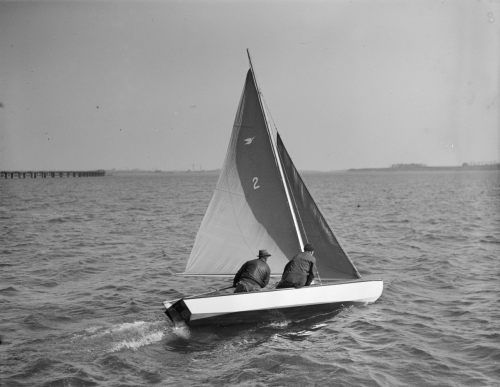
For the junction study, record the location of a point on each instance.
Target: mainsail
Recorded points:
(249, 210)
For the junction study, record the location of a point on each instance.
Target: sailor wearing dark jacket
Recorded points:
(253, 275)
(299, 271)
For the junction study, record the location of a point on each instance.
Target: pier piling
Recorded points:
(45, 174)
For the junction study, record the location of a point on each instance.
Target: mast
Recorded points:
(276, 155)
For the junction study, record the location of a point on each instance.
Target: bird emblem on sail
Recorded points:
(248, 141)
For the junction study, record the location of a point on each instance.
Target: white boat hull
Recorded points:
(273, 305)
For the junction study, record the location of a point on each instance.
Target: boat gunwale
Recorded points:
(273, 290)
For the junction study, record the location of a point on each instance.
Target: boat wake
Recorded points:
(300, 334)
(114, 338)
(140, 341)
(182, 332)
(278, 324)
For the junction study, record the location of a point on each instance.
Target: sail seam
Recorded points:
(230, 192)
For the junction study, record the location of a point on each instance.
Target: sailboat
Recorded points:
(261, 202)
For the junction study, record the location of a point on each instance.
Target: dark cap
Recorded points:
(263, 253)
(309, 247)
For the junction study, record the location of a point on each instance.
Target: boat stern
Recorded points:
(177, 312)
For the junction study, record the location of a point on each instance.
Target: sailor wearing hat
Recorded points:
(253, 275)
(299, 271)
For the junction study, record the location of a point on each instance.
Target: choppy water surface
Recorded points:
(86, 263)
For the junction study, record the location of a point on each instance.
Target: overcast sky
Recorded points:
(155, 85)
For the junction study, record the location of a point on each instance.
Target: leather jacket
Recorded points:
(256, 271)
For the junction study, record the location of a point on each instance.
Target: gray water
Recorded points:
(86, 263)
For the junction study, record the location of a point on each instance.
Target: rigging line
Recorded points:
(275, 151)
(300, 217)
(213, 291)
(295, 203)
(228, 191)
(291, 192)
(269, 111)
(331, 230)
(319, 209)
(286, 175)
(208, 286)
(329, 227)
(317, 272)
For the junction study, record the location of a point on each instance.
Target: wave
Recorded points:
(37, 322)
(489, 239)
(10, 290)
(133, 335)
(56, 220)
(38, 366)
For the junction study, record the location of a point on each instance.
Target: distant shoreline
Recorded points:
(491, 167)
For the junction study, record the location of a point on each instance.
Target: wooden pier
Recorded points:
(45, 174)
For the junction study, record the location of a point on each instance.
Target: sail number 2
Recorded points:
(255, 181)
